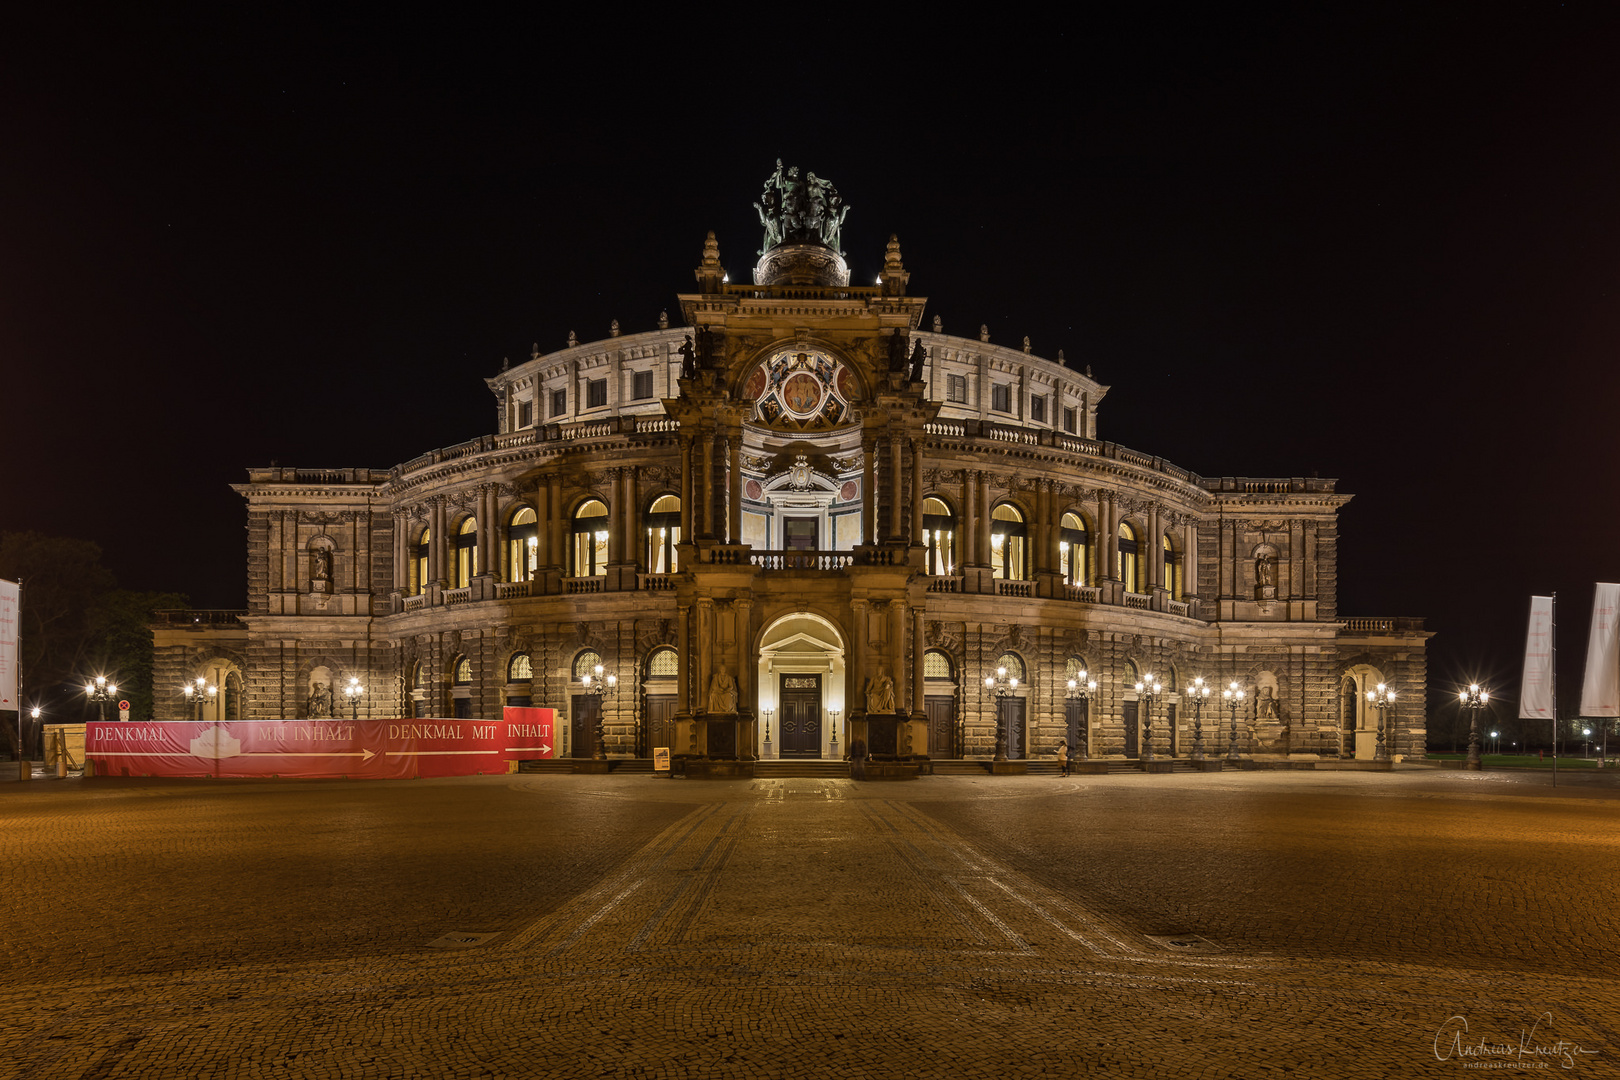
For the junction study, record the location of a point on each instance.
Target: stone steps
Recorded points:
(801, 767)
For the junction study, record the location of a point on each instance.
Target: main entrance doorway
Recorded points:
(1012, 725)
(800, 696)
(1131, 733)
(582, 729)
(941, 726)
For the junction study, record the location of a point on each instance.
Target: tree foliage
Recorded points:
(76, 623)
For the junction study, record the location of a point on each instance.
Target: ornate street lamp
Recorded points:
(353, 692)
(769, 712)
(1199, 693)
(834, 714)
(1473, 699)
(1000, 686)
(601, 685)
(1381, 699)
(198, 691)
(101, 691)
(1146, 691)
(1081, 689)
(1233, 695)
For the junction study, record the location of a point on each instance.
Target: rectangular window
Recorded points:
(1068, 421)
(559, 403)
(596, 393)
(1037, 409)
(643, 385)
(956, 388)
(1001, 397)
(525, 413)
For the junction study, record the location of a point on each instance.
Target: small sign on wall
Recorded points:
(661, 759)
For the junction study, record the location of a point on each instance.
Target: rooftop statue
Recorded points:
(800, 211)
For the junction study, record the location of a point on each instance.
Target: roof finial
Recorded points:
(573, 340)
(939, 327)
(613, 330)
(1026, 343)
(984, 332)
(663, 320)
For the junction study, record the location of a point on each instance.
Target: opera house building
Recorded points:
(801, 521)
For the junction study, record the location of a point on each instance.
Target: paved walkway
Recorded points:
(1243, 924)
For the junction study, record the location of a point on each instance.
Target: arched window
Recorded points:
(1130, 563)
(1073, 544)
(1008, 540)
(1074, 668)
(939, 537)
(1014, 665)
(937, 665)
(419, 561)
(664, 663)
(1172, 568)
(519, 668)
(466, 555)
(522, 545)
(663, 532)
(586, 663)
(462, 672)
(590, 527)
(419, 676)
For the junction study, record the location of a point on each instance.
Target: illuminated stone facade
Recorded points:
(806, 517)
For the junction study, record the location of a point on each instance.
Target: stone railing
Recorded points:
(1009, 434)
(512, 590)
(948, 583)
(1138, 601)
(1015, 588)
(595, 430)
(415, 603)
(940, 427)
(727, 555)
(582, 584)
(198, 617)
(457, 596)
(658, 582)
(1085, 594)
(656, 423)
(801, 560)
(1400, 624)
(1176, 607)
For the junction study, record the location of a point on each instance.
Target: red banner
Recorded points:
(371, 749)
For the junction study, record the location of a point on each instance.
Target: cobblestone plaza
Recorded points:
(1232, 924)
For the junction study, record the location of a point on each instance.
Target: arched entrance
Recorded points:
(801, 683)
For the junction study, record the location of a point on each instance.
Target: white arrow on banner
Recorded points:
(436, 753)
(526, 749)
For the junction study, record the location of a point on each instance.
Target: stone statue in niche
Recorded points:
(320, 568)
(688, 359)
(320, 701)
(1265, 575)
(722, 694)
(880, 694)
(919, 360)
(1266, 705)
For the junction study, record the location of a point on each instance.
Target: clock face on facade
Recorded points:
(801, 390)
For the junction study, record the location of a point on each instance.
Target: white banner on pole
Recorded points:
(9, 658)
(1600, 693)
(1536, 695)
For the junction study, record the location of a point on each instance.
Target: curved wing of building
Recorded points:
(808, 523)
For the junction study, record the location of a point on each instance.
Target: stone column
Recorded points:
(896, 493)
(402, 572)
(555, 524)
(1155, 550)
(869, 495)
(1189, 560)
(919, 648)
(965, 524)
(897, 637)
(686, 487)
(734, 504)
(683, 645)
(615, 551)
(916, 493)
(436, 548)
(706, 481)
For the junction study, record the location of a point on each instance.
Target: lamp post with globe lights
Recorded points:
(601, 684)
(1381, 699)
(1199, 694)
(1473, 699)
(199, 691)
(1146, 691)
(1000, 686)
(101, 691)
(353, 692)
(1080, 689)
(1233, 696)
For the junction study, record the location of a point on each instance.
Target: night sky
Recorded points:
(1383, 247)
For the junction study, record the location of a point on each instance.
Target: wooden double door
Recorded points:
(799, 698)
